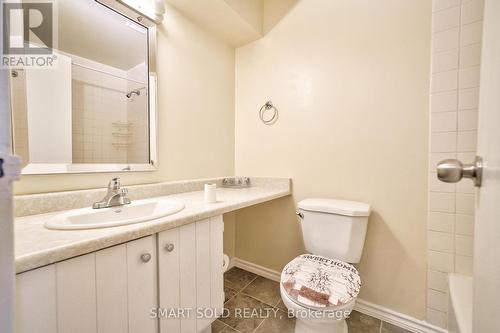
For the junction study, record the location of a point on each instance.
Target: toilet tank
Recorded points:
(334, 228)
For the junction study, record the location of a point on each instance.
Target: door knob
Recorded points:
(452, 171)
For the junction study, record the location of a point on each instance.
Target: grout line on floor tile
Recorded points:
(276, 305)
(223, 323)
(262, 322)
(230, 298)
(249, 283)
(255, 298)
(258, 300)
(228, 287)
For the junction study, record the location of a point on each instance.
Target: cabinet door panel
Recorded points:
(187, 267)
(203, 276)
(191, 274)
(111, 284)
(76, 295)
(169, 283)
(216, 263)
(36, 301)
(142, 291)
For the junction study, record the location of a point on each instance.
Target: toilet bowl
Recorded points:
(317, 322)
(320, 289)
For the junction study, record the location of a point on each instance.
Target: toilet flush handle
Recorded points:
(299, 214)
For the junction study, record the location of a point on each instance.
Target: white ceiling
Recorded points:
(90, 30)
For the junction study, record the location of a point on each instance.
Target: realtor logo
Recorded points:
(28, 34)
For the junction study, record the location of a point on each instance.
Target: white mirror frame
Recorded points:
(62, 168)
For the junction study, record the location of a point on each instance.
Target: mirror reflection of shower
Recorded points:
(136, 92)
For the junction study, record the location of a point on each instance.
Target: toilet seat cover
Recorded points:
(320, 282)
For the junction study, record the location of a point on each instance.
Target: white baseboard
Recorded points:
(231, 263)
(399, 319)
(257, 269)
(390, 316)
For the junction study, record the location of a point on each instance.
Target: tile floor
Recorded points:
(267, 313)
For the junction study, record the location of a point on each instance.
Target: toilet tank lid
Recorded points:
(333, 206)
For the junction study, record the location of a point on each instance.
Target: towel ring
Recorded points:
(266, 107)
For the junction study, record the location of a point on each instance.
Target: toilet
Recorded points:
(320, 288)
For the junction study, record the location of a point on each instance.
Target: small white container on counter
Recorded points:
(210, 193)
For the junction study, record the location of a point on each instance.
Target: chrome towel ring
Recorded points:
(271, 108)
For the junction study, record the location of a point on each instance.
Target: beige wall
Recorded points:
(230, 234)
(351, 82)
(196, 112)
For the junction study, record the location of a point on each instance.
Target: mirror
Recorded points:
(95, 111)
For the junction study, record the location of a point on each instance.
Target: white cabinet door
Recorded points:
(109, 291)
(203, 274)
(217, 263)
(36, 301)
(169, 282)
(142, 285)
(76, 295)
(187, 268)
(111, 282)
(58, 298)
(191, 275)
(126, 287)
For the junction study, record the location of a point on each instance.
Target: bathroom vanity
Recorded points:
(164, 275)
(120, 288)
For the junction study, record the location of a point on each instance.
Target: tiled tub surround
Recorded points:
(456, 51)
(108, 127)
(37, 246)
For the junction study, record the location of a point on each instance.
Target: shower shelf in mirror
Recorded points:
(122, 124)
(124, 135)
(121, 145)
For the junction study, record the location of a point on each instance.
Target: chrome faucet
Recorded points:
(116, 196)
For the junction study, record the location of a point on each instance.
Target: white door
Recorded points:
(486, 304)
(9, 170)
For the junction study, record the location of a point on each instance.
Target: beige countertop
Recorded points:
(37, 246)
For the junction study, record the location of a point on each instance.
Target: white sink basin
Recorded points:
(136, 212)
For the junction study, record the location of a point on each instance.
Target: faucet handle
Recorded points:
(114, 184)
